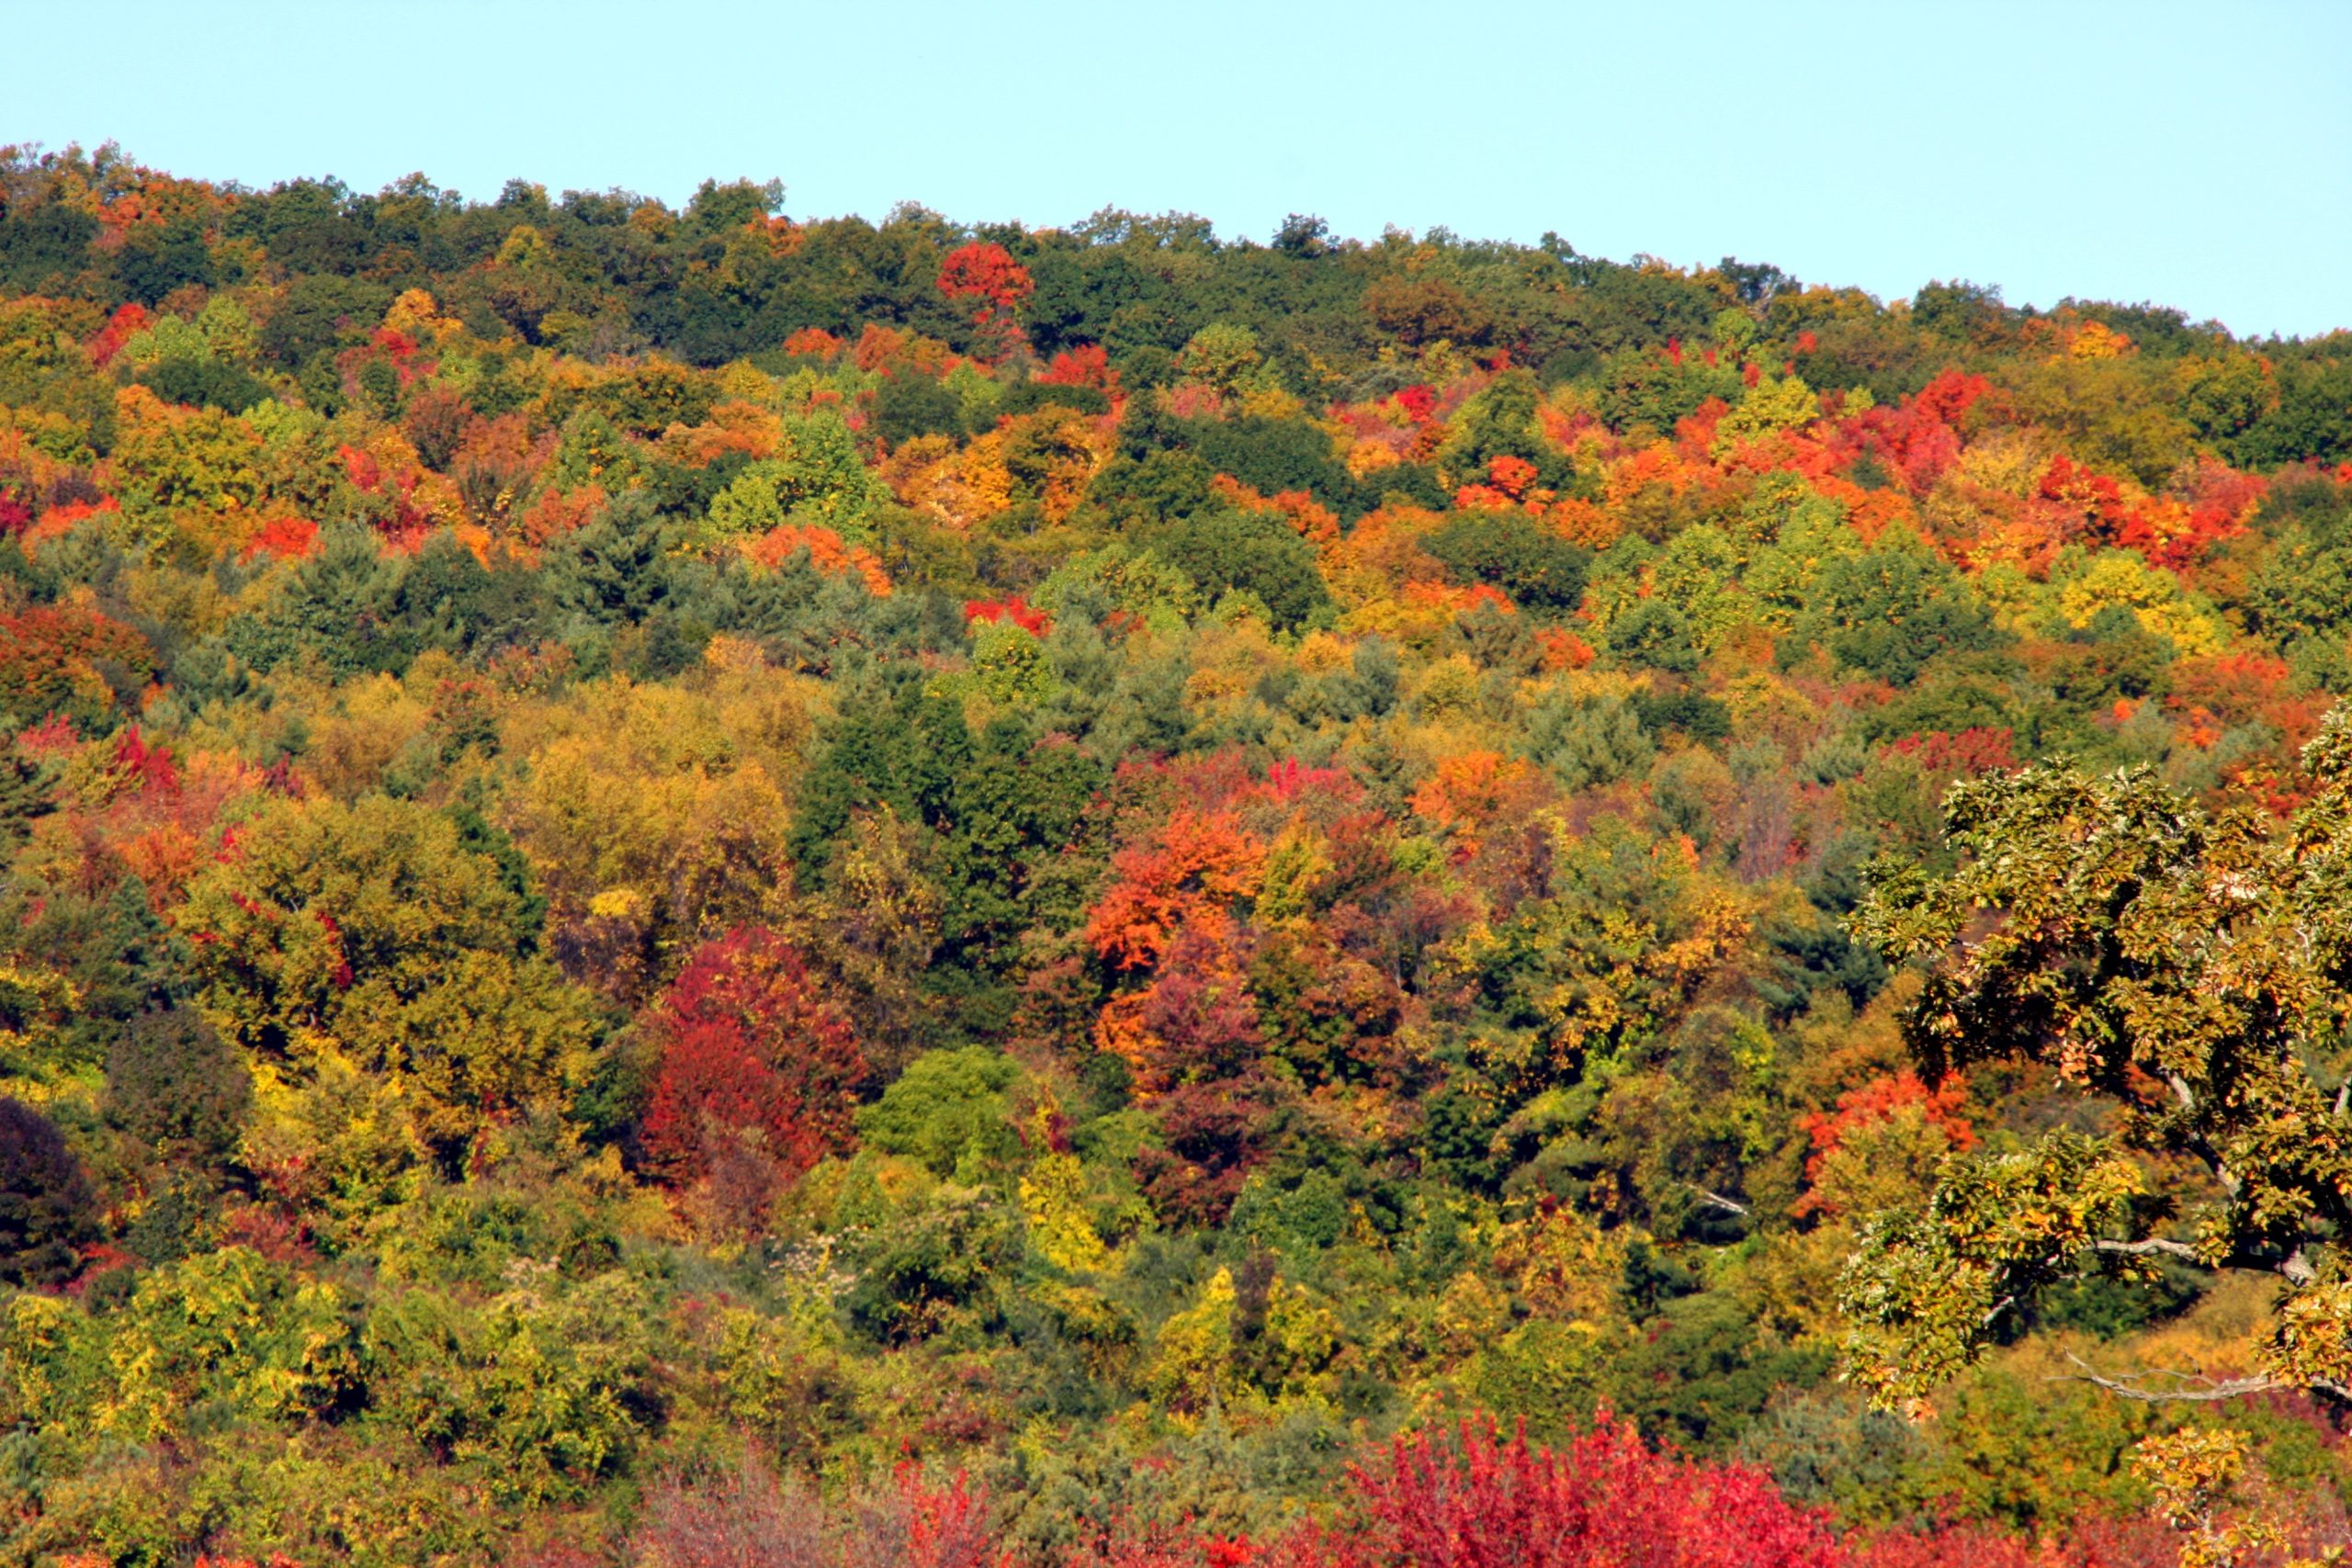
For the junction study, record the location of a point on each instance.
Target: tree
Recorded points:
(2191, 974)
(815, 478)
(749, 1043)
(1889, 611)
(1536, 568)
(1248, 552)
(368, 935)
(173, 1084)
(69, 661)
(985, 276)
(46, 1208)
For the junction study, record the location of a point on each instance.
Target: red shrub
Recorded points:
(1470, 1500)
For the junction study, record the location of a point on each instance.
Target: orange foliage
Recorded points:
(780, 235)
(1563, 649)
(557, 512)
(814, 343)
(286, 538)
(1305, 517)
(736, 425)
(827, 552)
(1189, 867)
(1877, 1101)
(1470, 792)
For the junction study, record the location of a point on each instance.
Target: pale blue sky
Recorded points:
(2197, 156)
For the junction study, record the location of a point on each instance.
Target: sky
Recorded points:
(2197, 155)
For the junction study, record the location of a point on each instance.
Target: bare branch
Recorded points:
(2178, 1387)
(2196, 1387)
(2004, 1304)
(2180, 1249)
(1717, 1201)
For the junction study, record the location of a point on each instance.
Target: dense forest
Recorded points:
(714, 888)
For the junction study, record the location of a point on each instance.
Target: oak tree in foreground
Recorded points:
(2190, 974)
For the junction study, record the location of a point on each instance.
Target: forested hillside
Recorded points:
(712, 887)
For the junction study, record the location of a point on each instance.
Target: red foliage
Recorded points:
(1877, 1101)
(1086, 365)
(1289, 779)
(397, 514)
(1952, 1548)
(1918, 441)
(121, 327)
(288, 539)
(52, 737)
(2168, 533)
(947, 1526)
(1420, 402)
(749, 1043)
(1979, 749)
(16, 514)
(2097, 499)
(1948, 396)
(1016, 609)
(709, 1071)
(1607, 1500)
(987, 273)
(1213, 1135)
(151, 766)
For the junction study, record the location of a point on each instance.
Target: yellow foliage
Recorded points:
(2120, 578)
(1053, 1198)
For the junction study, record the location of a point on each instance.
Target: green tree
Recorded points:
(46, 1206)
(1248, 552)
(2190, 974)
(816, 479)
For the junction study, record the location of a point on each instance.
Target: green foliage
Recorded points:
(1887, 613)
(948, 1111)
(2182, 965)
(817, 481)
(640, 856)
(1246, 553)
(1537, 570)
(46, 1205)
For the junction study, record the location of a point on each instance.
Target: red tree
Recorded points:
(749, 1043)
(996, 285)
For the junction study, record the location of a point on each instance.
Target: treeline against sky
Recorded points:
(971, 891)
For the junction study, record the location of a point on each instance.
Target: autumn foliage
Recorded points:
(689, 884)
